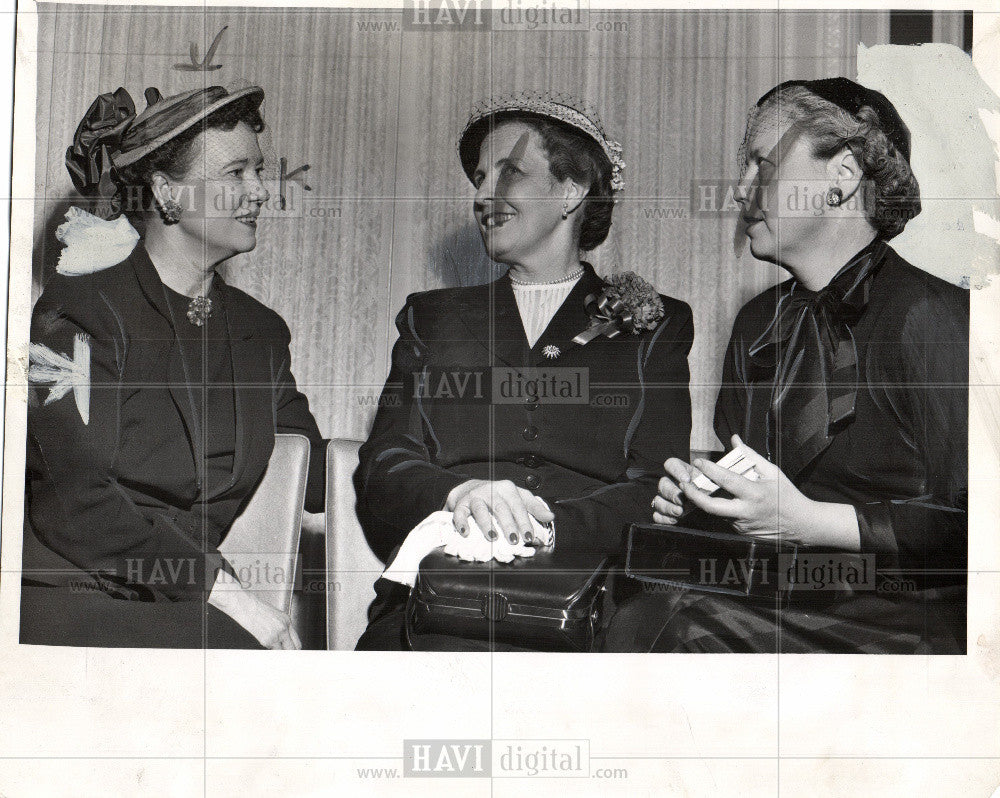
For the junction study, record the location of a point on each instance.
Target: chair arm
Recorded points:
(352, 567)
(262, 545)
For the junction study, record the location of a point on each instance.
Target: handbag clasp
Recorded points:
(495, 606)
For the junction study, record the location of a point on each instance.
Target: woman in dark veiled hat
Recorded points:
(847, 388)
(142, 445)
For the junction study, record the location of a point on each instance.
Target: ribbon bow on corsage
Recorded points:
(627, 303)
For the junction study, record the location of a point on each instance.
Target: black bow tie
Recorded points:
(811, 350)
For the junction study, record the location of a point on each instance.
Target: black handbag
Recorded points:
(715, 559)
(549, 602)
(712, 560)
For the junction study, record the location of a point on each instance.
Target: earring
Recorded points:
(565, 213)
(834, 197)
(171, 210)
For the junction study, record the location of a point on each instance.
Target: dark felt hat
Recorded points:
(852, 97)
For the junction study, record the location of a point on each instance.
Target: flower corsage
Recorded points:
(627, 303)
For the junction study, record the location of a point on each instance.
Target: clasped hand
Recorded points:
(767, 507)
(477, 547)
(501, 510)
(272, 627)
(482, 521)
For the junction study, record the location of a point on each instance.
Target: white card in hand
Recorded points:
(736, 461)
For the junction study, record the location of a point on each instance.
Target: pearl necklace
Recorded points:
(575, 276)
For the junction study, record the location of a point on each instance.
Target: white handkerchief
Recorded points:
(438, 530)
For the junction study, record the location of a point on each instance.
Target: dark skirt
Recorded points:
(930, 621)
(926, 622)
(57, 616)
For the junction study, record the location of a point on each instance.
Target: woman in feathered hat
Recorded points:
(460, 430)
(846, 388)
(155, 388)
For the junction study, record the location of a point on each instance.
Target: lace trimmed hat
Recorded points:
(557, 106)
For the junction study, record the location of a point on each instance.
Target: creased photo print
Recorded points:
(474, 333)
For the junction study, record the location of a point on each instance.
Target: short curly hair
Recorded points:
(891, 193)
(176, 157)
(574, 155)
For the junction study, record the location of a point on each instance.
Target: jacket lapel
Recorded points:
(179, 381)
(570, 320)
(253, 410)
(504, 338)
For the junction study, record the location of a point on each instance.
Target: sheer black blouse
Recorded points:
(901, 461)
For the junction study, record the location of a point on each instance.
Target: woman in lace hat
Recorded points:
(495, 465)
(142, 445)
(846, 387)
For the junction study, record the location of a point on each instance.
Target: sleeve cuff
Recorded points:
(875, 529)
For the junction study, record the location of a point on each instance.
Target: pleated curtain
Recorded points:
(374, 110)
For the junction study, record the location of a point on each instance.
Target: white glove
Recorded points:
(426, 536)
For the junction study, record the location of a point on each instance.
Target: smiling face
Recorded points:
(782, 189)
(518, 203)
(223, 192)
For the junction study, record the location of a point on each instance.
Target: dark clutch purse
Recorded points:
(549, 602)
(712, 560)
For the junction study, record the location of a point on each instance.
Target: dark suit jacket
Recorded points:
(457, 406)
(122, 497)
(902, 460)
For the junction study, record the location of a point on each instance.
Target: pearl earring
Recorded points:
(565, 213)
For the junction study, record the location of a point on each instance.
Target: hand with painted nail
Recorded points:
(500, 509)
(765, 503)
(475, 547)
(668, 503)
